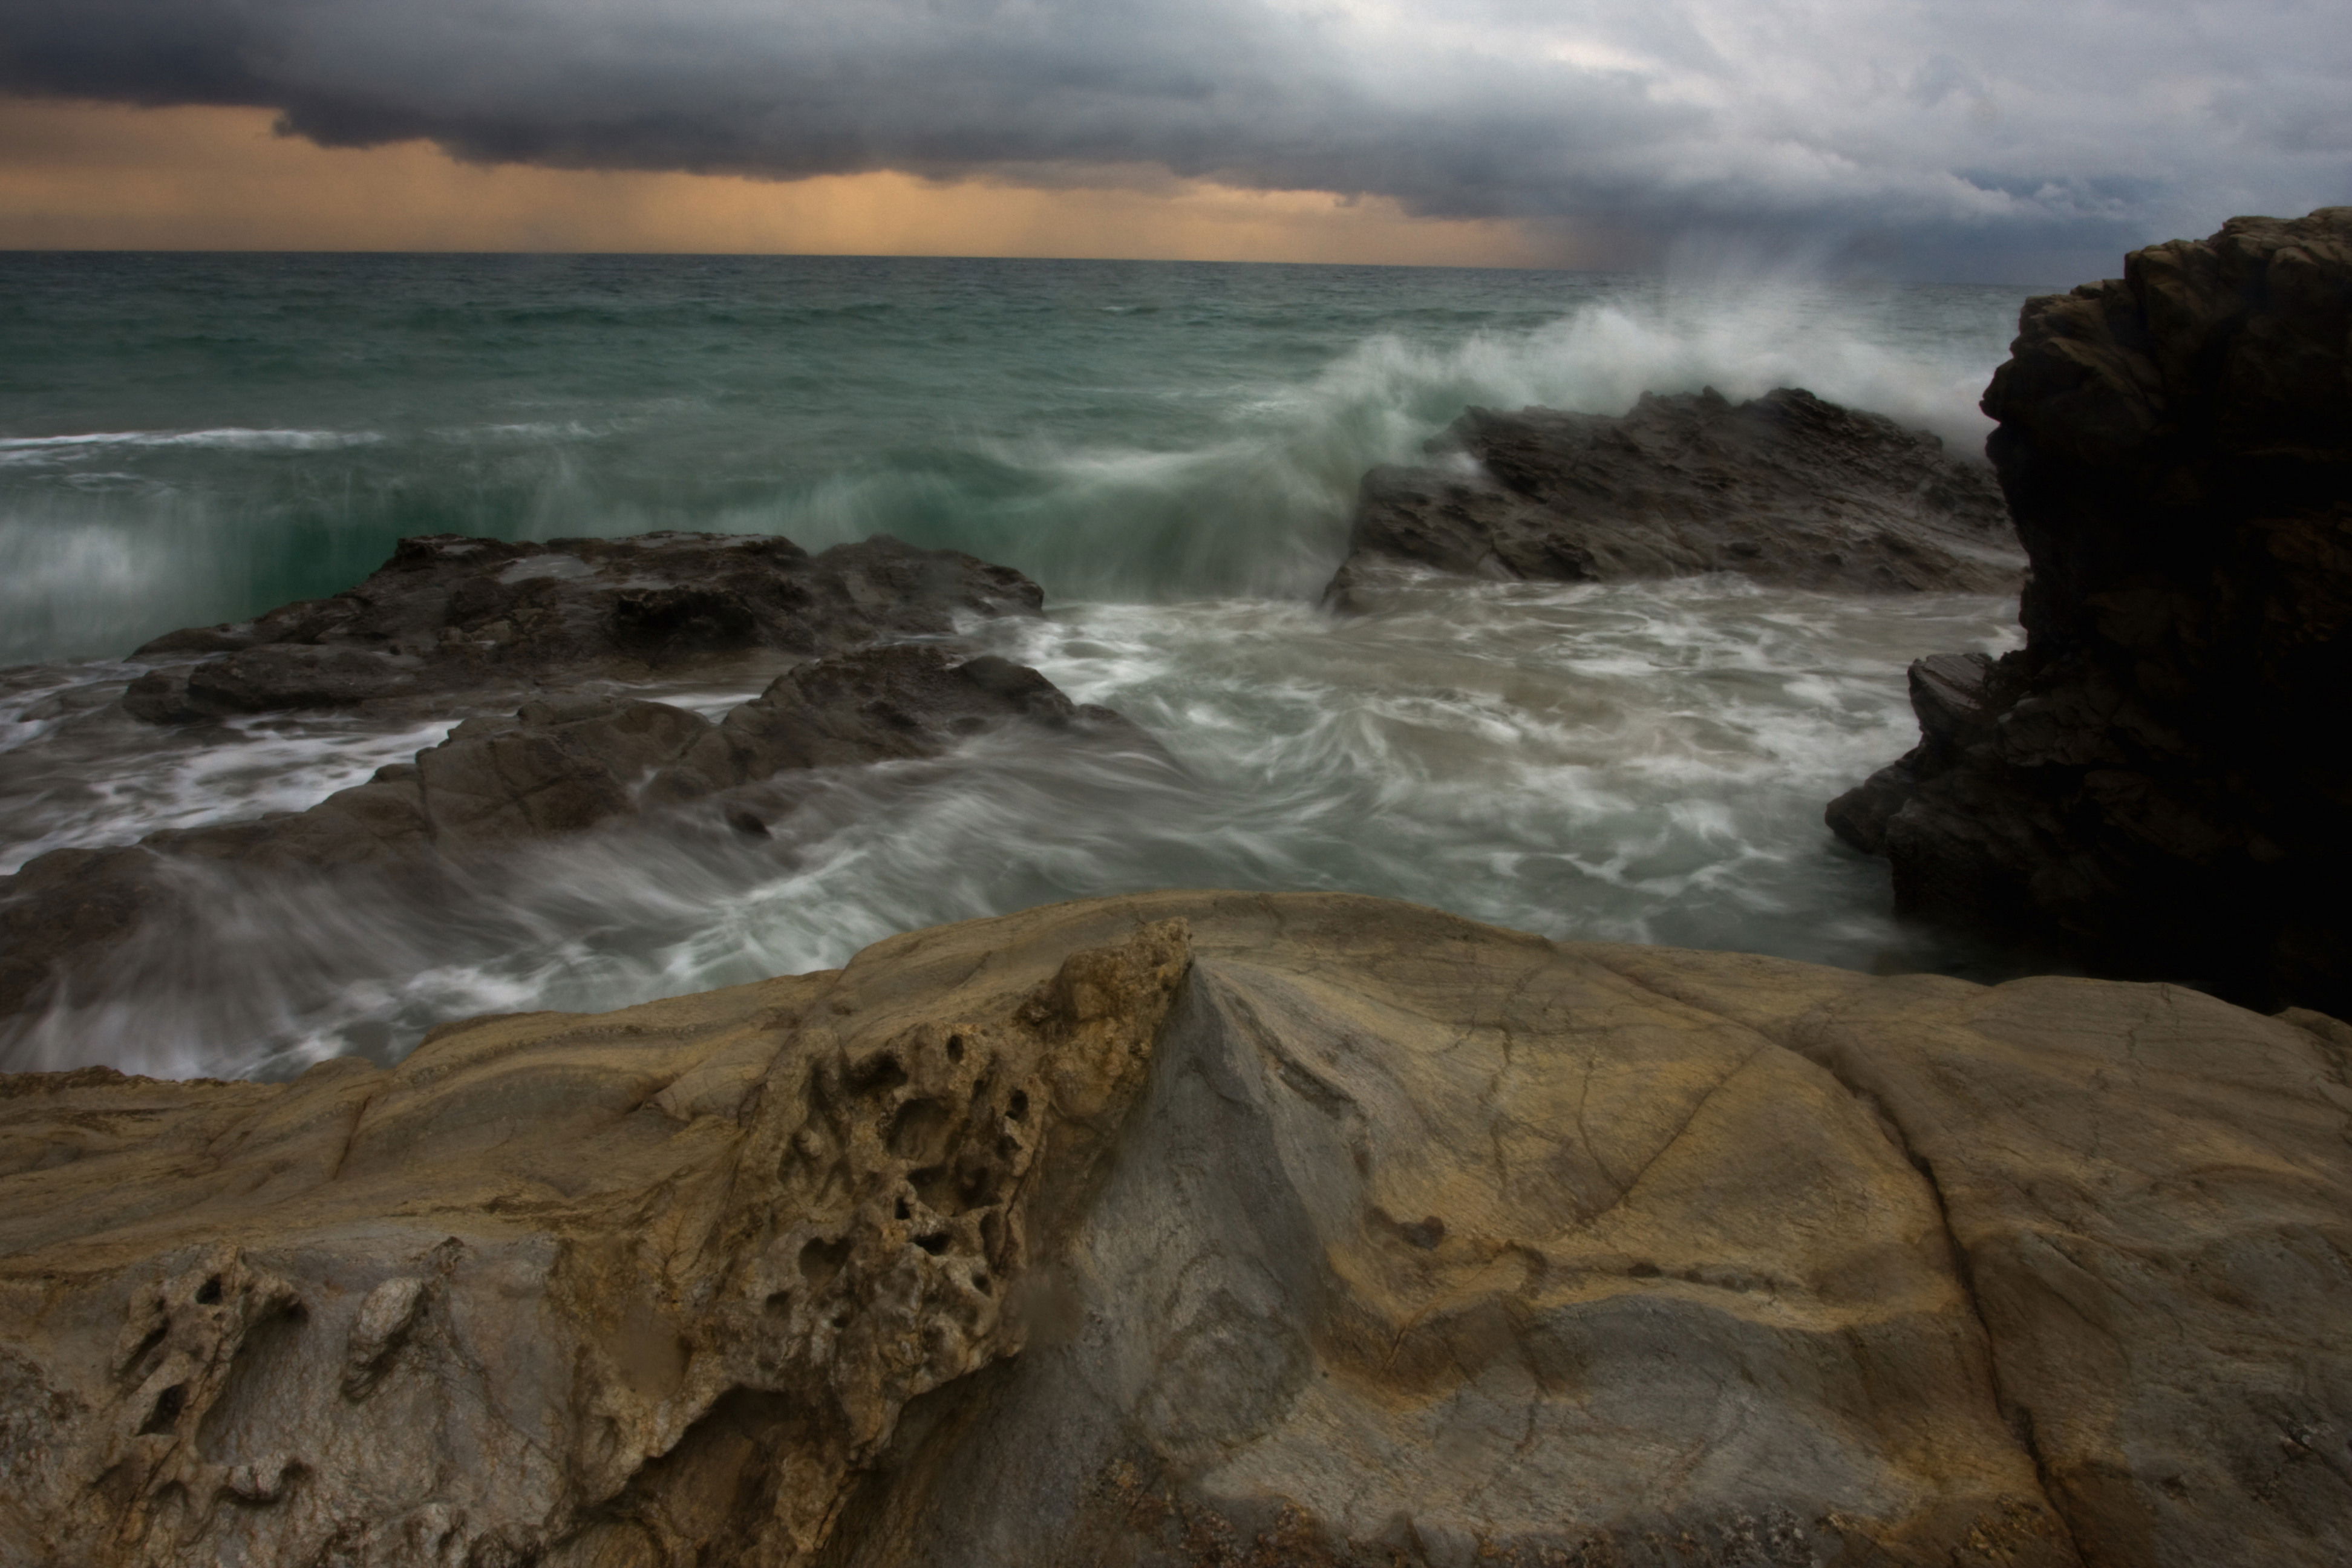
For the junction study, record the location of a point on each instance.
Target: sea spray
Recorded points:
(1170, 450)
(1120, 432)
(1640, 762)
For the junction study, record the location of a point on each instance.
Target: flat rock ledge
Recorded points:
(560, 631)
(450, 614)
(559, 765)
(1208, 1228)
(1785, 487)
(2158, 780)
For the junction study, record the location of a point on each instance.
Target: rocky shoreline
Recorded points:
(1221, 1228)
(1208, 1228)
(2153, 781)
(1784, 488)
(449, 620)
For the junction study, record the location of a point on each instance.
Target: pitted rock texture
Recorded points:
(449, 613)
(558, 767)
(643, 1287)
(1785, 487)
(2153, 779)
(1198, 1228)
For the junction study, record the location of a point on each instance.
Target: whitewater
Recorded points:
(1170, 449)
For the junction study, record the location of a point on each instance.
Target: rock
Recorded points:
(450, 614)
(2151, 779)
(1208, 1228)
(896, 703)
(558, 767)
(1784, 488)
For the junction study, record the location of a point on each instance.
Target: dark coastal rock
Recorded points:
(1214, 1229)
(559, 765)
(1784, 488)
(2157, 779)
(888, 703)
(448, 613)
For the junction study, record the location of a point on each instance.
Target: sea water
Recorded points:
(1171, 449)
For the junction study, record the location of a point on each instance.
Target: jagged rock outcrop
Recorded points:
(1215, 1229)
(559, 765)
(1784, 488)
(454, 613)
(2154, 779)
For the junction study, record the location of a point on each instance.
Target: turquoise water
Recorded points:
(189, 438)
(1170, 449)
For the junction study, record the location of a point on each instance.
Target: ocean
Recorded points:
(1169, 448)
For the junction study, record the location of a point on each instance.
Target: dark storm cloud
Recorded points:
(1965, 128)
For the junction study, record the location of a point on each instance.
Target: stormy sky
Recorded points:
(1944, 135)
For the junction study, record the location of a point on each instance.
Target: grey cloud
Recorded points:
(1954, 130)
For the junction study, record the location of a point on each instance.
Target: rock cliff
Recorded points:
(1212, 1229)
(1784, 488)
(2154, 779)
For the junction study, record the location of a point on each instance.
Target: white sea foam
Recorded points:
(1637, 762)
(77, 776)
(1262, 507)
(1644, 762)
(50, 449)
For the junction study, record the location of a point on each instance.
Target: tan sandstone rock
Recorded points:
(1207, 1229)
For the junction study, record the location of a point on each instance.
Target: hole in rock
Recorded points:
(1643, 1271)
(778, 1303)
(1425, 1234)
(822, 1261)
(903, 1211)
(981, 1283)
(932, 1185)
(1017, 1107)
(920, 1131)
(955, 1047)
(935, 1243)
(168, 1405)
(266, 1378)
(154, 1337)
(209, 1293)
(977, 1187)
(879, 1075)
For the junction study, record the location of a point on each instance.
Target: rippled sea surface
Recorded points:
(1168, 448)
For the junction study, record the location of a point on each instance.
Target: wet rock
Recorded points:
(1785, 487)
(557, 766)
(902, 702)
(2152, 779)
(453, 614)
(1196, 1227)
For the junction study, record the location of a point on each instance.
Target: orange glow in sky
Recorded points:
(103, 177)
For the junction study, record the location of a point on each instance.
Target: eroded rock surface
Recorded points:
(2156, 779)
(1215, 1229)
(449, 613)
(1785, 487)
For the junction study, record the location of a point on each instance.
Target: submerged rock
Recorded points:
(1785, 487)
(450, 612)
(559, 765)
(1207, 1229)
(2155, 779)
